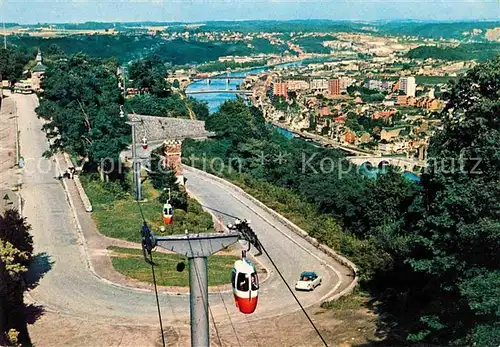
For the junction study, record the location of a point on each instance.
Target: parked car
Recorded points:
(308, 281)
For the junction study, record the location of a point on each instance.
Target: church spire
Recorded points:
(39, 57)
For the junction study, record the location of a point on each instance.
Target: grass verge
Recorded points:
(362, 252)
(356, 301)
(118, 215)
(130, 263)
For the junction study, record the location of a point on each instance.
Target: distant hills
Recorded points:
(466, 31)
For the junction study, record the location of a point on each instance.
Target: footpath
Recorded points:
(10, 175)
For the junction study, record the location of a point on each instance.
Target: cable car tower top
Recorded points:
(197, 248)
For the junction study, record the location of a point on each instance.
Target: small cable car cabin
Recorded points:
(168, 213)
(245, 284)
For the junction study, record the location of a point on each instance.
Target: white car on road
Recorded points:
(308, 281)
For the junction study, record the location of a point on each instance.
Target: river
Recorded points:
(214, 100)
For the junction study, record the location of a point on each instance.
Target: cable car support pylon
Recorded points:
(197, 248)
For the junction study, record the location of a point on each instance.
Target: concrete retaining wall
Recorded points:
(79, 187)
(325, 249)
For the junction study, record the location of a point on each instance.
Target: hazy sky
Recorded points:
(34, 11)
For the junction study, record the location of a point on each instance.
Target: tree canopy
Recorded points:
(81, 103)
(163, 178)
(16, 248)
(12, 62)
(152, 105)
(149, 75)
(236, 121)
(457, 238)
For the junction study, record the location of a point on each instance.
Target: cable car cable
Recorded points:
(293, 294)
(252, 331)
(154, 281)
(205, 304)
(157, 300)
(218, 211)
(225, 307)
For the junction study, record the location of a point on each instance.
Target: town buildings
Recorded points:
(407, 85)
(280, 89)
(297, 85)
(319, 85)
(334, 87)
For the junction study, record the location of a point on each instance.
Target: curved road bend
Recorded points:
(70, 288)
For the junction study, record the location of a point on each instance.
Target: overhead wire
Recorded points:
(225, 307)
(154, 280)
(218, 211)
(293, 294)
(282, 277)
(205, 304)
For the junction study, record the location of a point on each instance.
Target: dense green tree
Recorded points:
(200, 108)
(149, 75)
(81, 104)
(12, 63)
(16, 247)
(351, 122)
(163, 178)
(236, 121)
(54, 49)
(152, 105)
(280, 103)
(371, 125)
(457, 236)
(382, 203)
(14, 229)
(467, 51)
(223, 66)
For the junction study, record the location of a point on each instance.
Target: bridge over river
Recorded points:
(201, 78)
(380, 162)
(219, 91)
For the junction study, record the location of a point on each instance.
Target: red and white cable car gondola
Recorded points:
(168, 213)
(245, 284)
(144, 143)
(168, 210)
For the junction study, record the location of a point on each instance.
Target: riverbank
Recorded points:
(267, 66)
(214, 100)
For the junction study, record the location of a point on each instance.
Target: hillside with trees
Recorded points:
(471, 51)
(156, 97)
(131, 47)
(437, 30)
(222, 66)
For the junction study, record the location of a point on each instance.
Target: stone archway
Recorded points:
(368, 166)
(383, 164)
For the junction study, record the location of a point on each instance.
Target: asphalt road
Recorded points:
(69, 288)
